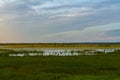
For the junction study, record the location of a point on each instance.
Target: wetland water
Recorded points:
(57, 52)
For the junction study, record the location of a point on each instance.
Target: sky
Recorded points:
(40, 21)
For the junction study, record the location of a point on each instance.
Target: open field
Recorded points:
(98, 67)
(60, 45)
(95, 61)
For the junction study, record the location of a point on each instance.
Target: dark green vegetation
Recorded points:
(97, 67)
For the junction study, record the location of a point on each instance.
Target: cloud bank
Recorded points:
(59, 20)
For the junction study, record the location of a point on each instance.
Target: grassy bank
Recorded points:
(98, 67)
(60, 45)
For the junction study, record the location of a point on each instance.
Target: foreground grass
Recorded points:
(90, 77)
(98, 67)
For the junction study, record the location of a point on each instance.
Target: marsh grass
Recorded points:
(98, 67)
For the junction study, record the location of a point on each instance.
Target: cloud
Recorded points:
(114, 33)
(38, 18)
(95, 33)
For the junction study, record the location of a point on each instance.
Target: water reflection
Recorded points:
(59, 52)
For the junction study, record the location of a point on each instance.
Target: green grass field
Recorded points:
(97, 67)
(93, 67)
